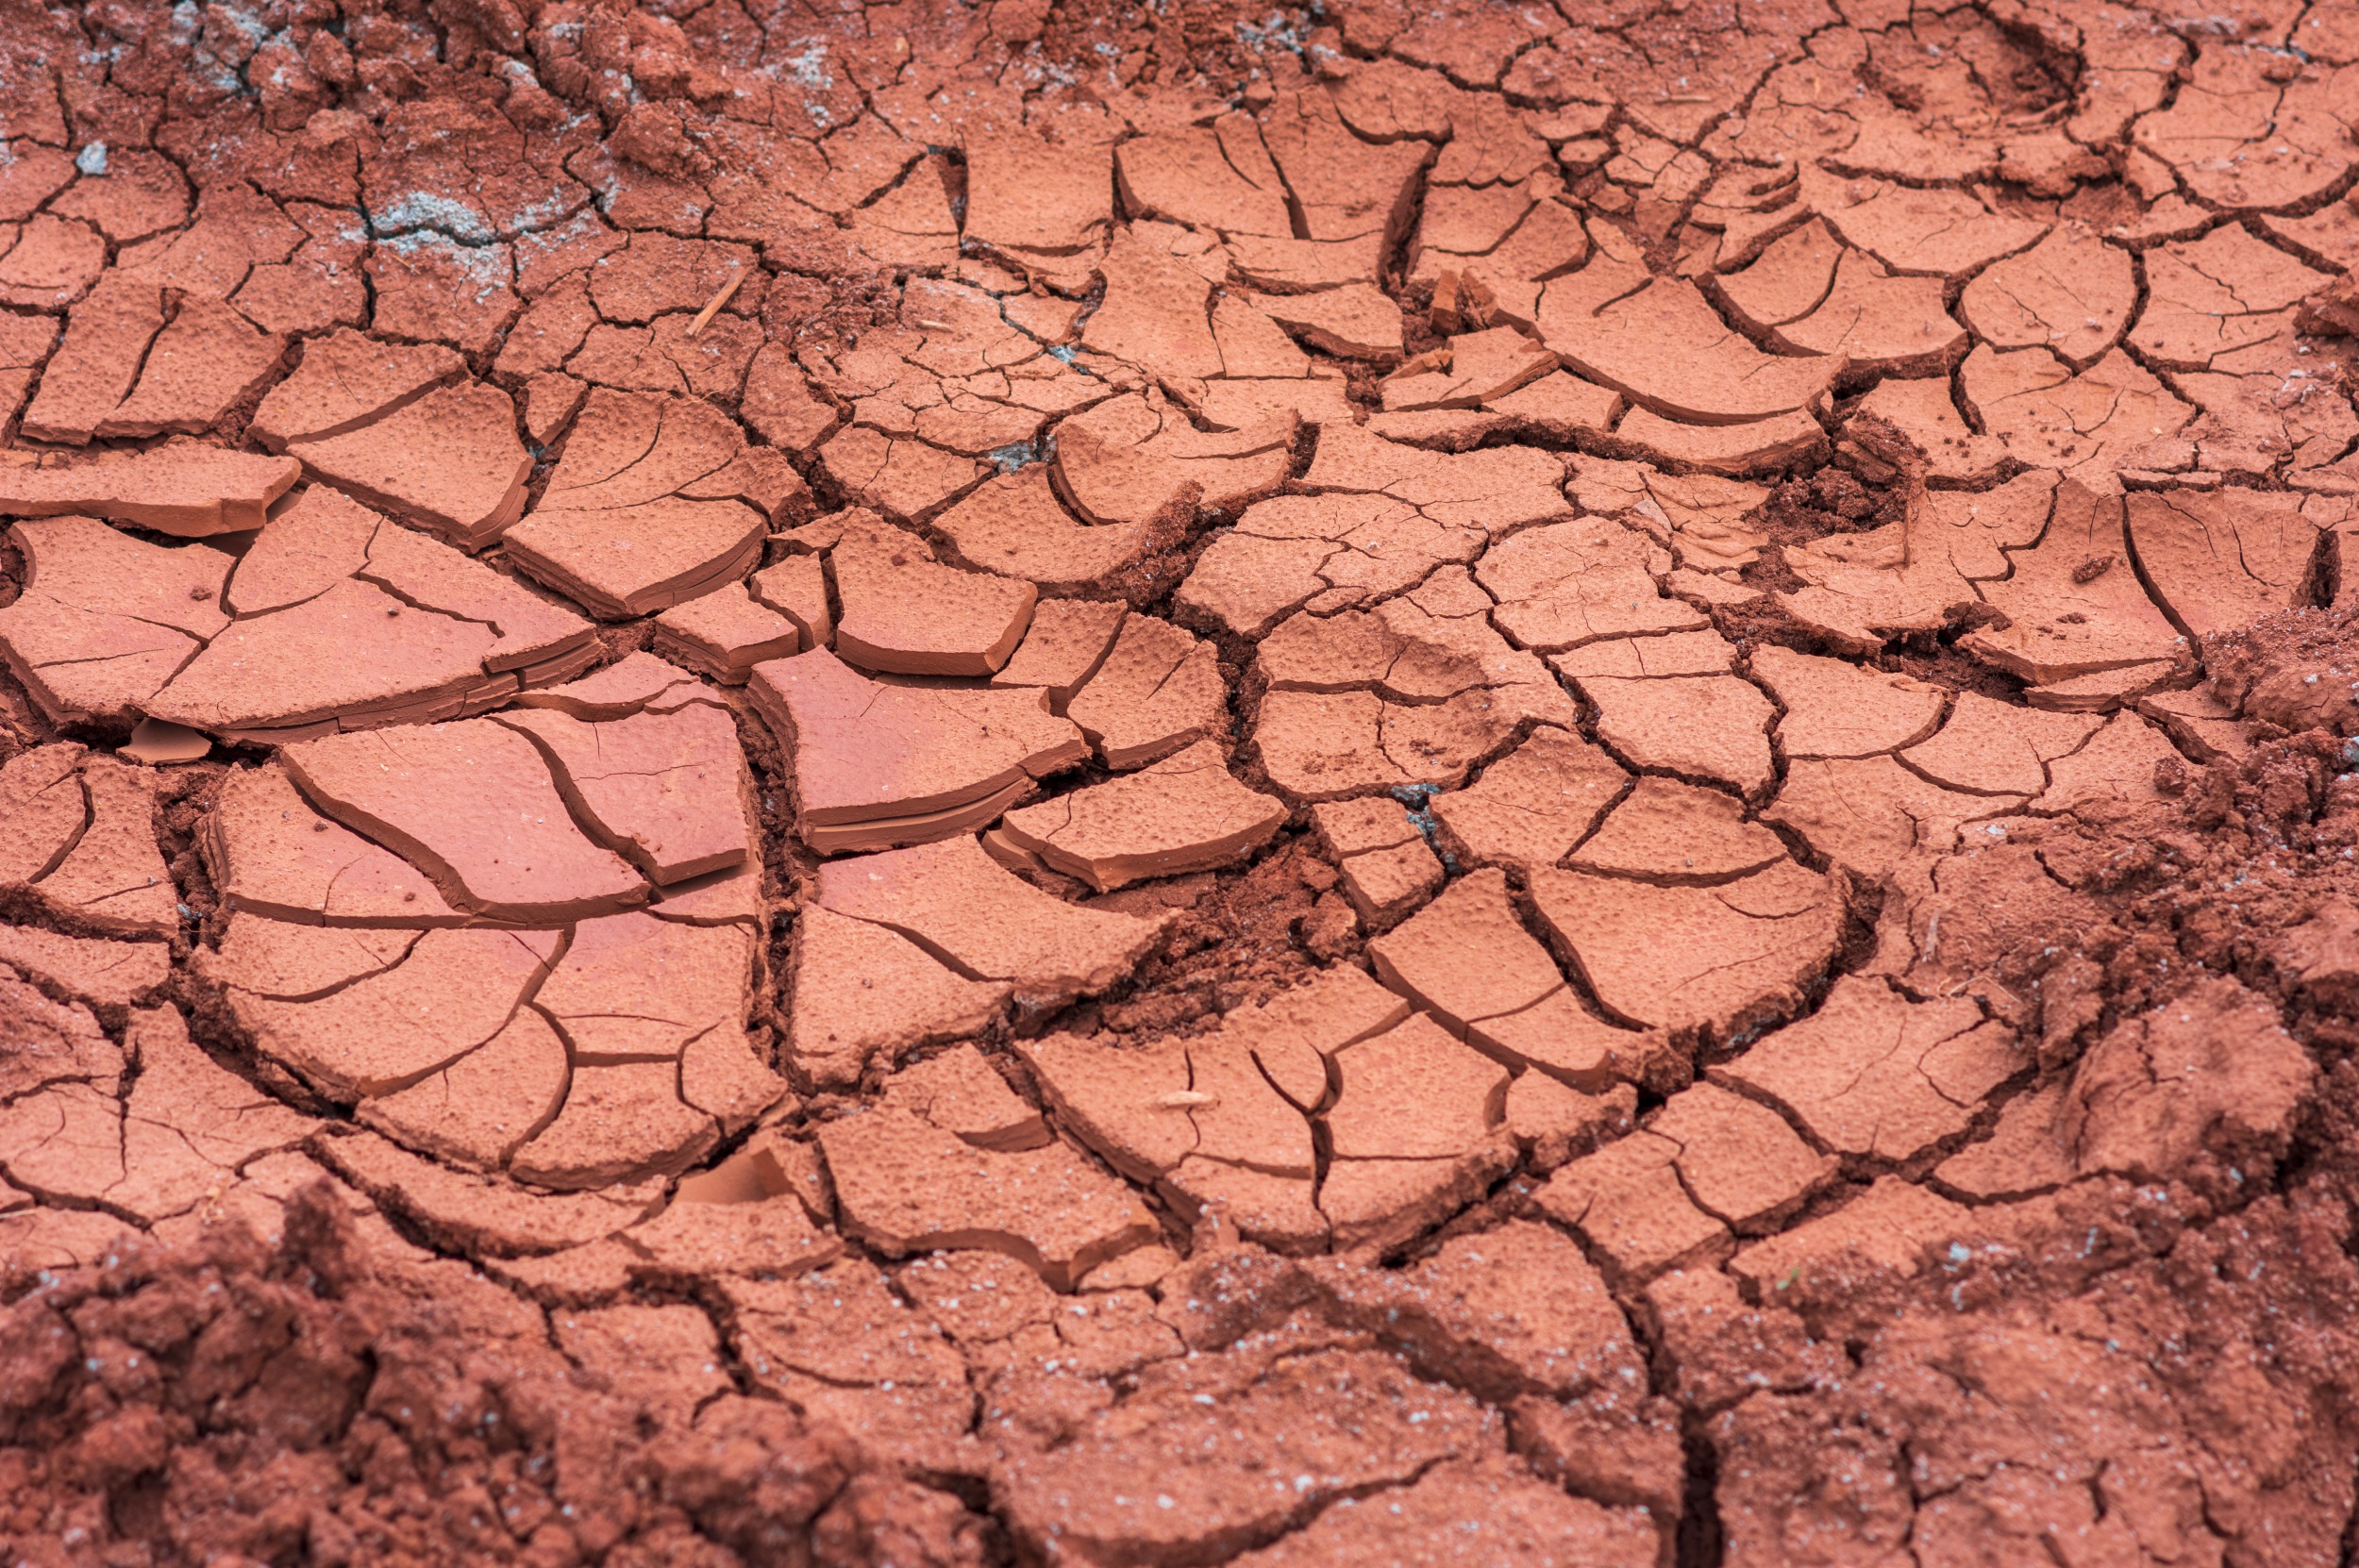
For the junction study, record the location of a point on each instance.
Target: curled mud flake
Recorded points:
(346, 381)
(862, 990)
(1131, 459)
(471, 803)
(905, 613)
(906, 1185)
(956, 759)
(1016, 524)
(1873, 1073)
(956, 903)
(180, 488)
(106, 619)
(1181, 814)
(448, 462)
(724, 634)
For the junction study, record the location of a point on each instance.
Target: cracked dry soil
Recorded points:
(1021, 782)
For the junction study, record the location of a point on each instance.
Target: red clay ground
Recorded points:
(1030, 783)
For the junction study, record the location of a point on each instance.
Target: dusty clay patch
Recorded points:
(1032, 784)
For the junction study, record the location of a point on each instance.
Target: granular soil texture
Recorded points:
(1026, 783)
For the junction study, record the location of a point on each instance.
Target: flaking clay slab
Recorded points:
(472, 806)
(1455, 783)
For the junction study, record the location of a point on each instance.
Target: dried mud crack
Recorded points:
(946, 784)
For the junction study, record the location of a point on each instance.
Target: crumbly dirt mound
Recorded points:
(1043, 783)
(336, 1399)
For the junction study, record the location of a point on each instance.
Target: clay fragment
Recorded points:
(197, 368)
(668, 792)
(346, 381)
(959, 1092)
(1387, 868)
(1016, 524)
(1671, 833)
(1183, 813)
(1872, 1073)
(954, 760)
(862, 990)
(106, 339)
(1740, 949)
(269, 852)
(472, 805)
(953, 901)
(724, 634)
(449, 463)
(1833, 709)
(1062, 648)
(1158, 691)
(906, 614)
(1532, 805)
(1127, 459)
(105, 620)
(1627, 1201)
(180, 488)
(104, 972)
(894, 1175)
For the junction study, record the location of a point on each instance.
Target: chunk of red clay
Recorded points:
(472, 805)
(180, 488)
